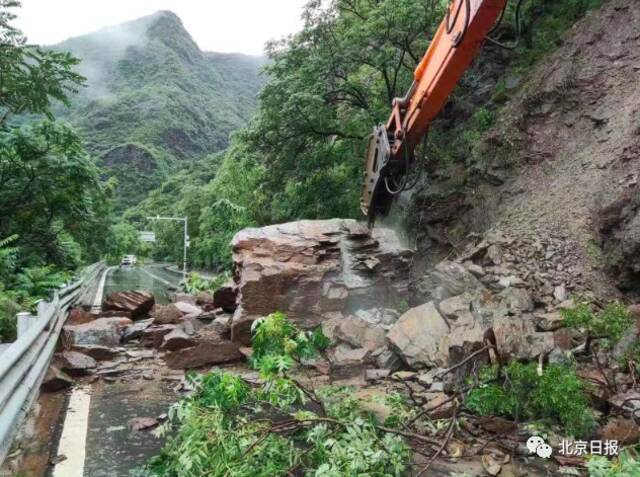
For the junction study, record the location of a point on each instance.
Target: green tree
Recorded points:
(30, 76)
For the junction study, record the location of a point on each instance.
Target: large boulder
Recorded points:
(101, 332)
(133, 302)
(312, 269)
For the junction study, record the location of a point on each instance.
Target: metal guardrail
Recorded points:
(24, 363)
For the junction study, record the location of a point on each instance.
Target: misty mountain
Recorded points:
(155, 102)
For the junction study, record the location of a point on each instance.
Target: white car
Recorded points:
(128, 261)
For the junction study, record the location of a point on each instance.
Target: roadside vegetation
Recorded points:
(232, 427)
(55, 212)
(283, 425)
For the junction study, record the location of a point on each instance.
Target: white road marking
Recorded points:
(97, 302)
(156, 277)
(74, 434)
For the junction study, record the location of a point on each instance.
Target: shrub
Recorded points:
(232, 429)
(611, 322)
(196, 283)
(278, 343)
(625, 465)
(520, 393)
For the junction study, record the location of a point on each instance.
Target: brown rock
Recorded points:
(166, 314)
(347, 362)
(549, 321)
(177, 339)
(75, 364)
(153, 335)
(625, 431)
(135, 330)
(97, 352)
(138, 424)
(205, 353)
(205, 301)
(361, 334)
(78, 316)
(135, 302)
(225, 297)
(55, 380)
(308, 269)
(188, 309)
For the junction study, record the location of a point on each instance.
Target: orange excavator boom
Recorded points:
(391, 146)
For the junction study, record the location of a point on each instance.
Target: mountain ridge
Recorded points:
(155, 100)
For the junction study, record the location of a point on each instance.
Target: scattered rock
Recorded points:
(188, 308)
(78, 316)
(447, 279)
(205, 301)
(376, 374)
(206, 352)
(166, 314)
(152, 336)
(55, 380)
(102, 332)
(225, 297)
(418, 334)
(135, 302)
(360, 333)
(177, 339)
(625, 431)
(628, 403)
(135, 330)
(347, 362)
(74, 363)
(97, 352)
(548, 321)
(138, 424)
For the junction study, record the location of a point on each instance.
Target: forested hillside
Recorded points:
(154, 101)
(301, 154)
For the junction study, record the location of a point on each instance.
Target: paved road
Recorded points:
(149, 277)
(95, 437)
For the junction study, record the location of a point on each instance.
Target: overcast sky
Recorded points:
(216, 25)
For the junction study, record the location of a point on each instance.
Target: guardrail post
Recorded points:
(25, 320)
(42, 308)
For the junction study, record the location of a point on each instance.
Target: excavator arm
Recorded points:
(391, 146)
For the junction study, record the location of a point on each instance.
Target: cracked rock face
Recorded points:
(316, 270)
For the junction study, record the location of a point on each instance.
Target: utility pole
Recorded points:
(185, 221)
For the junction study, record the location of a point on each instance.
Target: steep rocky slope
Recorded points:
(155, 101)
(559, 164)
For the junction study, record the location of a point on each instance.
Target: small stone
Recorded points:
(560, 293)
(138, 424)
(404, 375)
(376, 374)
